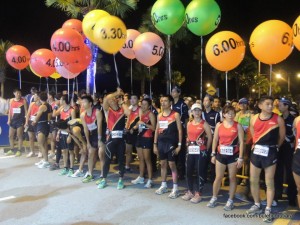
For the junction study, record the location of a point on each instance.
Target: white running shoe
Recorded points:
(138, 180)
(78, 173)
(40, 155)
(161, 190)
(44, 165)
(149, 184)
(30, 154)
(40, 162)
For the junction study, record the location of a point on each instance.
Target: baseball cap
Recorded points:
(285, 101)
(243, 101)
(196, 106)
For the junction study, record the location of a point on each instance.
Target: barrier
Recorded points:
(4, 141)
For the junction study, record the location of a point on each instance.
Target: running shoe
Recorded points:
(254, 210)
(120, 185)
(196, 199)
(161, 190)
(40, 162)
(40, 155)
(229, 206)
(102, 184)
(268, 216)
(87, 178)
(54, 166)
(70, 173)
(212, 203)
(264, 203)
(187, 196)
(149, 184)
(51, 155)
(63, 172)
(30, 154)
(174, 194)
(44, 165)
(18, 154)
(9, 153)
(138, 180)
(78, 173)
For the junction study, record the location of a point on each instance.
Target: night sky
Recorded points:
(31, 24)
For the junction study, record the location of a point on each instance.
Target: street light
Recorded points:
(208, 85)
(298, 75)
(279, 76)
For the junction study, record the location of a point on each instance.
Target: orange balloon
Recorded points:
(42, 62)
(272, 41)
(225, 50)
(73, 24)
(127, 49)
(82, 63)
(18, 57)
(296, 32)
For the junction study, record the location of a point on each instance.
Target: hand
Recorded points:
(131, 131)
(213, 160)
(177, 150)
(239, 163)
(8, 123)
(155, 150)
(120, 91)
(57, 138)
(100, 143)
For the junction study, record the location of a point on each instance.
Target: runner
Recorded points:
(268, 132)
(30, 117)
(228, 141)
(42, 128)
(167, 143)
(52, 135)
(16, 120)
(92, 124)
(199, 139)
(296, 157)
(144, 142)
(115, 143)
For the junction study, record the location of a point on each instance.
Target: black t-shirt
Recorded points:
(212, 118)
(183, 110)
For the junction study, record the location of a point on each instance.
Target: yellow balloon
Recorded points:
(272, 41)
(89, 22)
(34, 71)
(296, 32)
(110, 34)
(55, 76)
(225, 50)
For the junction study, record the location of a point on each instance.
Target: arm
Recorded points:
(208, 134)
(215, 143)
(179, 128)
(28, 114)
(110, 96)
(85, 129)
(73, 114)
(9, 113)
(281, 131)
(251, 126)
(42, 109)
(25, 106)
(241, 147)
(99, 124)
(155, 150)
(56, 112)
(153, 122)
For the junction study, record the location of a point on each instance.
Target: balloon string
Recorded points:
(95, 88)
(150, 82)
(169, 66)
(226, 78)
(47, 85)
(76, 85)
(27, 82)
(20, 85)
(201, 69)
(131, 75)
(69, 89)
(270, 88)
(116, 69)
(73, 88)
(55, 86)
(40, 84)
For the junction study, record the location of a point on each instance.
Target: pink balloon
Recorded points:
(63, 71)
(148, 48)
(127, 49)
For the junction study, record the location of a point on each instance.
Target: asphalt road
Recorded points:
(29, 195)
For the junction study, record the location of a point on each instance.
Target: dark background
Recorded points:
(31, 24)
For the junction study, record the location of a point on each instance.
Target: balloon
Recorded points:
(63, 71)
(296, 32)
(202, 16)
(148, 48)
(67, 44)
(272, 41)
(82, 63)
(89, 21)
(127, 49)
(35, 73)
(42, 62)
(73, 24)
(110, 34)
(55, 76)
(167, 15)
(225, 50)
(18, 57)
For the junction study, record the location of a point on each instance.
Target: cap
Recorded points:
(196, 106)
(177, 88)
(285, 101)
(243, 101)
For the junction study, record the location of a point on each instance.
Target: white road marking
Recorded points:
(7, 198)
(6, 157)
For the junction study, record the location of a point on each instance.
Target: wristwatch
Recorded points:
(213, 154)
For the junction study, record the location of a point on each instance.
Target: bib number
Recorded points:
(91, 126)
(16, 110)
(261, 150)
(116, 134)
(32, 118)
(163, 124)
(194, 150)
(226, 150)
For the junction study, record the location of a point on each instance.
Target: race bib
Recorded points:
(163, 124)
(261, 150)
(64, 132)
(226, 150)
(32, 118)
(16, 110)
(194, 150)
(91, 126)
(298, 144)
(116, 134)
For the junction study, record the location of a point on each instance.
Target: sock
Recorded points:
(230, 200)
(214, 198)
(257, 204)
(164, 184)
(175, 186)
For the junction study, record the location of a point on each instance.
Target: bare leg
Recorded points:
(254, 182)
(128, 154)
(269, 178)
(147, 158)
(232, 169)
(11, 136)
(20, 137)
(220, 170)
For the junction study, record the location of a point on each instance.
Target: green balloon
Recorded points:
(168, 15)
(202, 16)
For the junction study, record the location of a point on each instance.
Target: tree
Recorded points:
(4, 46)
(177, 78)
